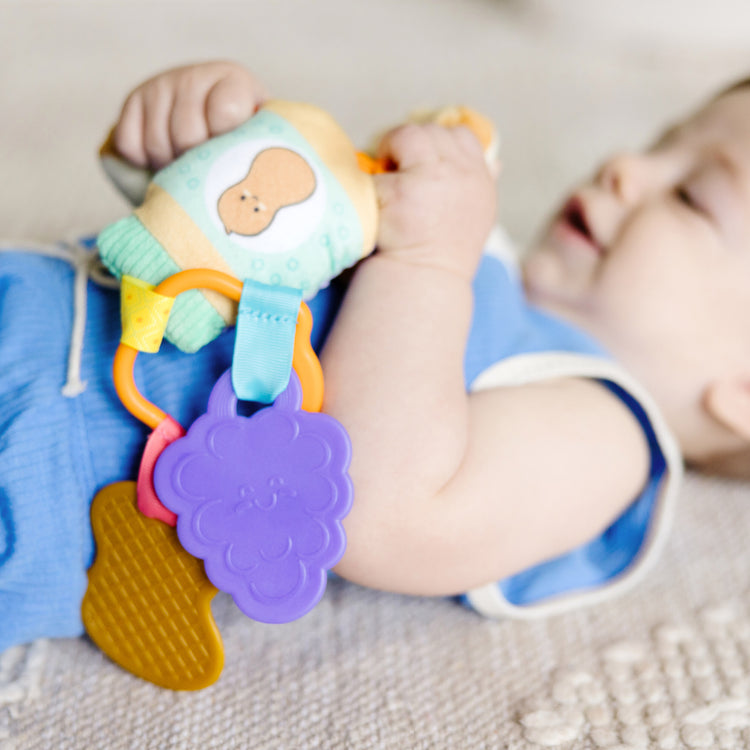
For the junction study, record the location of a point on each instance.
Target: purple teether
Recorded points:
(260, 499)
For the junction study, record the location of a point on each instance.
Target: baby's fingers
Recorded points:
(233, 99)
(187, 122)
(209, 100)
(142, 133)
(408, 146)
(158, 100)
(415, 145)
(181, 108)
(128, 134)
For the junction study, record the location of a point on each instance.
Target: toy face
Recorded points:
(278, 177)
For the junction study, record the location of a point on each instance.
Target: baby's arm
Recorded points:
(454, 491)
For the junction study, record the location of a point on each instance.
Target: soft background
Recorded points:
(668, 666)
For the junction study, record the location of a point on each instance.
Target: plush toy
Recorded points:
(243, 227)
(280, 200)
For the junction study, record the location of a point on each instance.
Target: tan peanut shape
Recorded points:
(277, 178)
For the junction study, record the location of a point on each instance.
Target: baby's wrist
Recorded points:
(423, 267)
(451, 261)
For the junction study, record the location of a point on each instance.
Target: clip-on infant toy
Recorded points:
(283, 203)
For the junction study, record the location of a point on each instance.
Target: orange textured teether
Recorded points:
(148, 603)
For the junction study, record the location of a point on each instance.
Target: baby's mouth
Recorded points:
(574, 218)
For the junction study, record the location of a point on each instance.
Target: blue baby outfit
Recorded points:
(57, 452)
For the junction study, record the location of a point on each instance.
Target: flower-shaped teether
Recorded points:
(260, 499)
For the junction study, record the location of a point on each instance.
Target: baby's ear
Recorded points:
(728, 401)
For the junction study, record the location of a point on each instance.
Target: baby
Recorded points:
(519, 454)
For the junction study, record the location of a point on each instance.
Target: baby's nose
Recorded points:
(626, 175)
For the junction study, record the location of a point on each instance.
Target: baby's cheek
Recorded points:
(650, 278)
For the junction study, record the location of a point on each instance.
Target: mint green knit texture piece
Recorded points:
(128, 248)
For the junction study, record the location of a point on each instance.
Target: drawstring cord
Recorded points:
(87, 265)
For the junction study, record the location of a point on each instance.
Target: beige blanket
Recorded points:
(668, 666)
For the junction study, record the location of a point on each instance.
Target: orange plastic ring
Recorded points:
(370, 165)
(304, 359)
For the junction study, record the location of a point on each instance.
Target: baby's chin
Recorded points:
(539, 275)
(552, 284)
(539, 261)
(536, 246)
(543, 242)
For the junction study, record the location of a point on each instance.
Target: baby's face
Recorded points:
(652, 255)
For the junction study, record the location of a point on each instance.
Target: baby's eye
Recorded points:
(685, 197)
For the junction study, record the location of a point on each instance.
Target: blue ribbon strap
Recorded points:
(264, 343)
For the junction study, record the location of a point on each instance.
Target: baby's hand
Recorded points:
(438, 206)
(180, 108)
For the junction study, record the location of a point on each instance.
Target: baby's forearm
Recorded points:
(393, 367)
